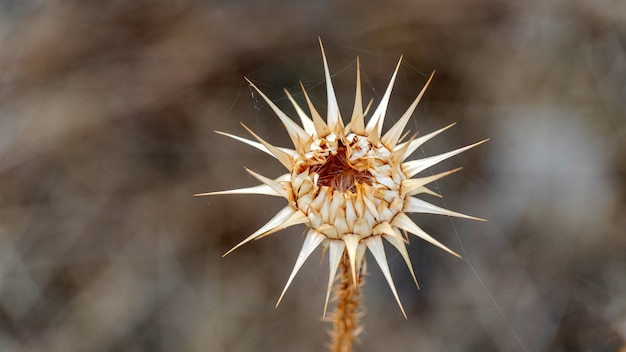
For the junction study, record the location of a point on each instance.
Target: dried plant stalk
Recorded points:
(345, 318)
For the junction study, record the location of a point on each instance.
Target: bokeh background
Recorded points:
(107, 112)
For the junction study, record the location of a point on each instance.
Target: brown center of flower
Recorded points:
(338, 174)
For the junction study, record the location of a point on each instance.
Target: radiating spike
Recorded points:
(296, 133)
(276, 186)
(283, 157)
(333, 117)
(352, 242)
(277, 220)
(390, 139)
(298, 217)
(261, 189)
(312, 240)
(416, 205)
(334, 256)
(424, 189)
(320, 126)
(387, 229)
(378, 117)
(375, 245)
(413, 145)
(397, 155)
(427, 190)
(373, 136)
(360, 254)
(411, 185)
(357, 124)
(398, 242)
(256, 145)
(410, 168)
(404, 222)
(307, 123)
(324, 250)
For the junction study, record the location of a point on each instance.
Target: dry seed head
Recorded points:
(349, 184)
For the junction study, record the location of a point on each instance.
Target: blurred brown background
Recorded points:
(107, 112)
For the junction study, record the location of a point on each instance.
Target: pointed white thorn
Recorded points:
(256, 145)
(333, 117)
(401, 220)
(352, 242)
(296, 133)
(410, 186)
(335, 253)
(324, 250)
(280, 155)
(375, 245)
(261, 189)
(357, 124)
(426, 190)
(276, 186)
(373, 136)
(276, 221)
(312, 240)
(307, 123)
(416, 143)
(397, 155)
(411, 168)
(378, 117)
(360, 254)
(390, 139)
(298, 217)
(386, 229)
(416, 205)
(320, 126)
(398, 242)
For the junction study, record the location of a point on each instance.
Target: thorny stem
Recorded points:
(345, 318)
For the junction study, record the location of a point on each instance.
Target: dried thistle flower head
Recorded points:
(349, 184)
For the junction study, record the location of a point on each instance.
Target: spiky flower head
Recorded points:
(349, 184)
